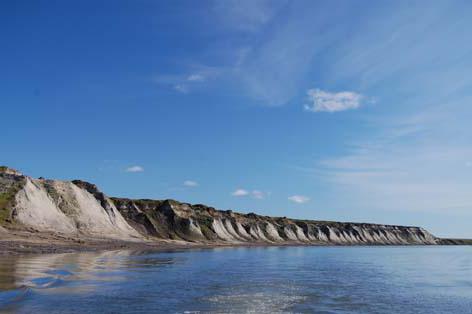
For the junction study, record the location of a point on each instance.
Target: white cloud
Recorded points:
(320, 100)
(181, 88)
(190, 183)
(258, 194)
(240, 192)
(195, 78)
(300, 199)
(135, 169)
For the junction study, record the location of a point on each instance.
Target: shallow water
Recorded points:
(243, 280)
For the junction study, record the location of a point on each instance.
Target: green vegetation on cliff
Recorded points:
(10, 185)
(7, 200)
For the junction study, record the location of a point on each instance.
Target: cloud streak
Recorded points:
(246, 15)
(195, 78)
(417, 163)
(320, 100)
(299, 199)
(190, 183)
(134, 169)
(181, 88)
(258, 194)
(185, 83)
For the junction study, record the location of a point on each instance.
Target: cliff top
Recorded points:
(8, 170)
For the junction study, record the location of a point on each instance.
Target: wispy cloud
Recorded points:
(273, 62)
(277, 61)
(196, 78)
(410, 179)
(299, 199)
(185, 83)
(415, 163)
(246, 15)
(181, 88)
(240, 192)
(320, 100)
(397, 48)
(258, 194)
(190, 183)
(134, 169)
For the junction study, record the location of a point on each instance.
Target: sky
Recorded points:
(333, 110)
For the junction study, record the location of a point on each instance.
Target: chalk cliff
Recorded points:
(59, 206)
(174, 220)
(79, 208)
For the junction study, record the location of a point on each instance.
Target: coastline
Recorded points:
(49, 216)
(19, 242)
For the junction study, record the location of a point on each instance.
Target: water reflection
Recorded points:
(69, 273)
(242, 280)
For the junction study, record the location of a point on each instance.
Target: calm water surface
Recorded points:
(242, 280)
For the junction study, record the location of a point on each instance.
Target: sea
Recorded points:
(377, 279)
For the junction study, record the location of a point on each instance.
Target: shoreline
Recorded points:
(20, 242)
(48, 216)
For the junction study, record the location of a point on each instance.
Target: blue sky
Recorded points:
(337, 110)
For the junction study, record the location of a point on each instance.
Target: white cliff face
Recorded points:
(322, 237)
(221, 231)
(290, 234)
(195, 228)
(92, 218)
(35, 208)
(64, 207)
(117, 220)
(71, 209)
(272, 232)
(259, 231)
(258, 234)
(242, 232)
(363, 234)
(300, 234)
(428, 237)
(79, 208)
(229, 227)
(317, 235)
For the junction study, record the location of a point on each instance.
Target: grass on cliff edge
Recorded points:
(5, 203)
(7, 199)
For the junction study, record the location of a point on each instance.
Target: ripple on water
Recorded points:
(9, 299)
(244, 280)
